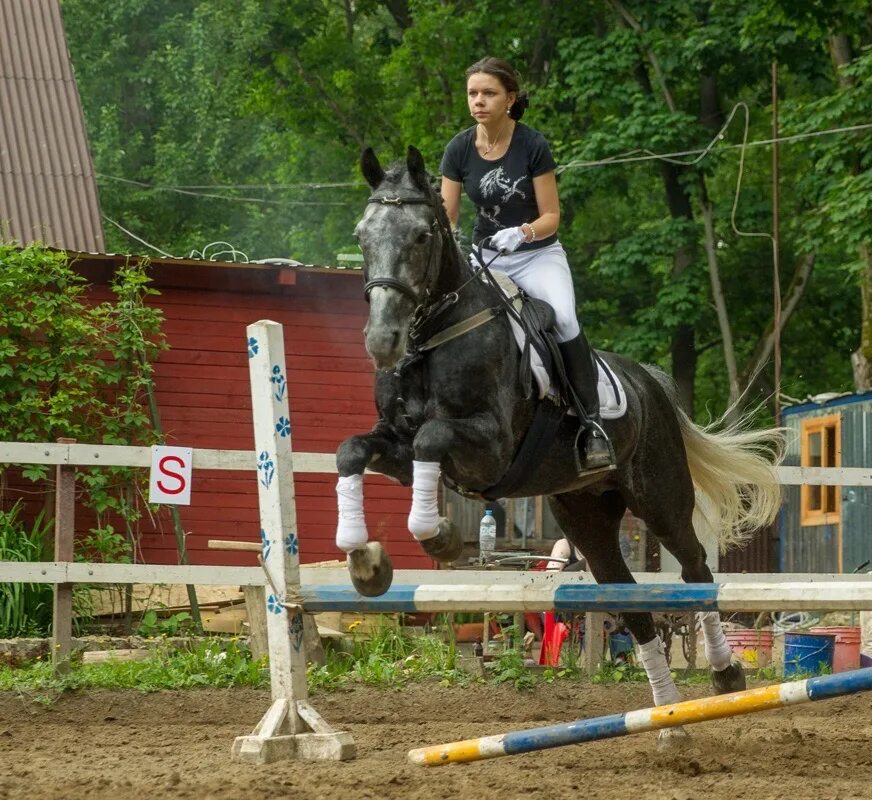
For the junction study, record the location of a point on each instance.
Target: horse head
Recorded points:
(403, 235)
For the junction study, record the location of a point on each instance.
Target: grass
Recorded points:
(389, 658)
(211, 663)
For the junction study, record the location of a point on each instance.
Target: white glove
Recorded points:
(508, 240)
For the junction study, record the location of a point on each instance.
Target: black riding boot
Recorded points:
(582, 374)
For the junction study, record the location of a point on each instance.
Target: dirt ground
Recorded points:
(111, 744)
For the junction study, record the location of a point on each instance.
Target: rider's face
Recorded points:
(487, 98)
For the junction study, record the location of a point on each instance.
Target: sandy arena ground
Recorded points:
(111, 744)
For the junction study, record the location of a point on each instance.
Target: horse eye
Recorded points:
(423, 237)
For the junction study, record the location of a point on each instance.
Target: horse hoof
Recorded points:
(446, 545)
(731, 679)
(371, 570)
(672, 738)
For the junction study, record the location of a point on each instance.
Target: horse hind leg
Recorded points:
(681, 540)
(593, 525)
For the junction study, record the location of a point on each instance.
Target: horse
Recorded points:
(451, 405)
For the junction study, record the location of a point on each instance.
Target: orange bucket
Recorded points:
(846, 654)
(752, 647)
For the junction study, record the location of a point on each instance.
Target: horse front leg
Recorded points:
(473, 440)
(369, 564)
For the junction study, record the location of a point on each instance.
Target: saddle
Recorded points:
(532, 322)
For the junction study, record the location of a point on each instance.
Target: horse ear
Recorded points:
(417, 170)
(371, 169)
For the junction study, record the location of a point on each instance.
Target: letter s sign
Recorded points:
(170, 479)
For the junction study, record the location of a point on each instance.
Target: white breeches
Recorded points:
(544, 274)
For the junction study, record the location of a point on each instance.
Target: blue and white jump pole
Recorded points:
(648, 719)
(529, 595)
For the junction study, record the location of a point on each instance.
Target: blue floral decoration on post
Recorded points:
(283, 427)
(292, 544)
(279, 381)
(273, 604)
(266, 466)
(253, 347)
(265, 544)
(295, 630)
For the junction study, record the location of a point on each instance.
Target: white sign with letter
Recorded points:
(170, 478)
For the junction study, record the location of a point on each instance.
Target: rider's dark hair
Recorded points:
(505, 73)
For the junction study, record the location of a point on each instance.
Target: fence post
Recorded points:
(65, 531)
(291, 728)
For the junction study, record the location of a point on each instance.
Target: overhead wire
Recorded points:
(629, 157)
(625, 158)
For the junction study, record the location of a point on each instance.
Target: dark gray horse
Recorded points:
(457, 410)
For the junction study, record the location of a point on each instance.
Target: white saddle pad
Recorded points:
(613, 399)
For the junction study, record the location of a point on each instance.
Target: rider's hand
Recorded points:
(508, 240)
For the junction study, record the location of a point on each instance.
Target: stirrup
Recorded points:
(584, 464)
(597, 456)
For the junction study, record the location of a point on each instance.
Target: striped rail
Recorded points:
(648, 719)
(576, 597)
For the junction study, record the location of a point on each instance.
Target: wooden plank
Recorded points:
(245, 460)
(825, 476)
(64, 534)
(255, 605)
(120, 456)
(123, 654)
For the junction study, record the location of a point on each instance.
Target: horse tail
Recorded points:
(733, 471)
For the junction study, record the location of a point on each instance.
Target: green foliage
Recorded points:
(76, 368)
(209, 663)
(509, 667)
(266, 105)
(620, 673)
(153, 625)
(25, 608)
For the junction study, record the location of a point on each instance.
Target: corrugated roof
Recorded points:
(47, 186)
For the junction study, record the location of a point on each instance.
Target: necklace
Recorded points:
(488, 146)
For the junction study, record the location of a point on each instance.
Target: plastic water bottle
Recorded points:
(487, 536)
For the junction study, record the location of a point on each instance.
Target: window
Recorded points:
(821, 447)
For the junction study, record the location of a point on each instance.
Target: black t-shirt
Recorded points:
(502, 190)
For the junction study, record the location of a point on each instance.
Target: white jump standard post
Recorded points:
(291, 728)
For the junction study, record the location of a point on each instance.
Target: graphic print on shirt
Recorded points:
(496, 181)
(498, 185)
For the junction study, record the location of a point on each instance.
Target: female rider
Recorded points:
(507, 170)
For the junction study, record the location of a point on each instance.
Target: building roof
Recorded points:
(826, 400)
(48, 190)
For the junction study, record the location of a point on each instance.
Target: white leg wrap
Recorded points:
(653, 658)
(351, 531)
(717, 649)
(424, 516)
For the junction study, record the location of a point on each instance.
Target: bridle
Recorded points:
(425, 332)
(396, 283)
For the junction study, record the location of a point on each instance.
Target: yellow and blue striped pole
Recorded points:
(648, 719)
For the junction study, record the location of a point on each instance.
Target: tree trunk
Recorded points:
(842, 54)
(718, 295)
(861, 359)
(682, 348)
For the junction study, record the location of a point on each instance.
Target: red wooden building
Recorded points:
(202, 389)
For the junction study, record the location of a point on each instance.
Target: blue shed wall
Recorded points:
(815, 548)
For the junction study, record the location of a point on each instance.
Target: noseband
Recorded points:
(396, 283)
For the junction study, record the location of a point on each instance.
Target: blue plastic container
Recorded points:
(808, 653)
(620, 644)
